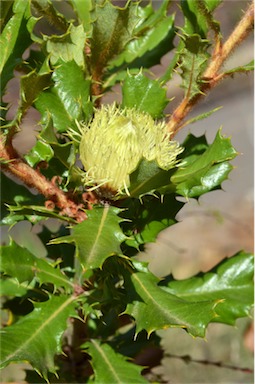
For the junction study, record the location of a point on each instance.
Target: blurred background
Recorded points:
(216, 226)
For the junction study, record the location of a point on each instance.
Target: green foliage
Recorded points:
(89, 303)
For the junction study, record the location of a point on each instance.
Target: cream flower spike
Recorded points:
(116, 140)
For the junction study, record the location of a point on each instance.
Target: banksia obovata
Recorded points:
(116, 140)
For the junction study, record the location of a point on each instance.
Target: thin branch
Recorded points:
(12, 163)
(211, 76)
(188, 359)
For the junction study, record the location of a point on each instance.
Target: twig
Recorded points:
(187, 359)
(12, 163)
(211, 76)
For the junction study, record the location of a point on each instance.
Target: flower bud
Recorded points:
(116, 140)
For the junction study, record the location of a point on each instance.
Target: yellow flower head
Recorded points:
(116, 140)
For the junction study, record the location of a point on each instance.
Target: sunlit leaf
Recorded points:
(18, 262)
(153, 308)
(202, 173)
(230, 281)
(138, 91)
(37, 336)
(96, 238)
(110, 366)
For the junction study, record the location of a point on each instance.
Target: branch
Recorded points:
(13, 164)
(211, 76)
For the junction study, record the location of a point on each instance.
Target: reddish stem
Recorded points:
(13, 164)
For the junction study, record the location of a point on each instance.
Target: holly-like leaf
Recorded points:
(112, 29)
(11, 287)
(36, 338)
(153, 308)
(18, 262)
(31, 85)
(68, 99)
(243, 68)
(96, 238)
(230, 281)
(14, 40)
(147, 178)
(73, 90)
(138, 91)
(110, 366)
(147, 218)
(192, 63)
(198, 16)
(67, 47)
(153, 37)
(83, 10)
(41, 151)
(199, 174)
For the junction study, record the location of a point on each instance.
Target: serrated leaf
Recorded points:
(68, 99)
(148, 177)
(11, 287)
(96, 238)
(41, 151)
(154, 309)
(195, 19)
(192, 60)
(151, 42)
(112, 29)
(52, 109)
(31, 85)
(230, 281)
(67, 47)
(14, 40)
(73, 90)
(199, 174)
(138, 91)
(36, 338)
(147, 218)
(33, 213)
(83, 10)
(110, 366)
(243, 68)
(18, 262)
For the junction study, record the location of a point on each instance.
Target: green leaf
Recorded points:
(46, 9)
(18, 262)
(153, 308)
(96, 238)
(112, 29)
(52, 109)
(36, 338)
(11, 287)
(138, 92)
(192, 61)
(199, 174)
(111, 367)
(33, 213)
(197, 16)
(67, 47)
(148, 177)
(83, 10)
(154, 39)
(73, 90)
(243, 68)
(147, 218)
(67, 100)
(40, 152)
(231, 281)
(14, 40)
(31, 85)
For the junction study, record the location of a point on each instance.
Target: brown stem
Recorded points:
(33, 178)
(211, 76)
